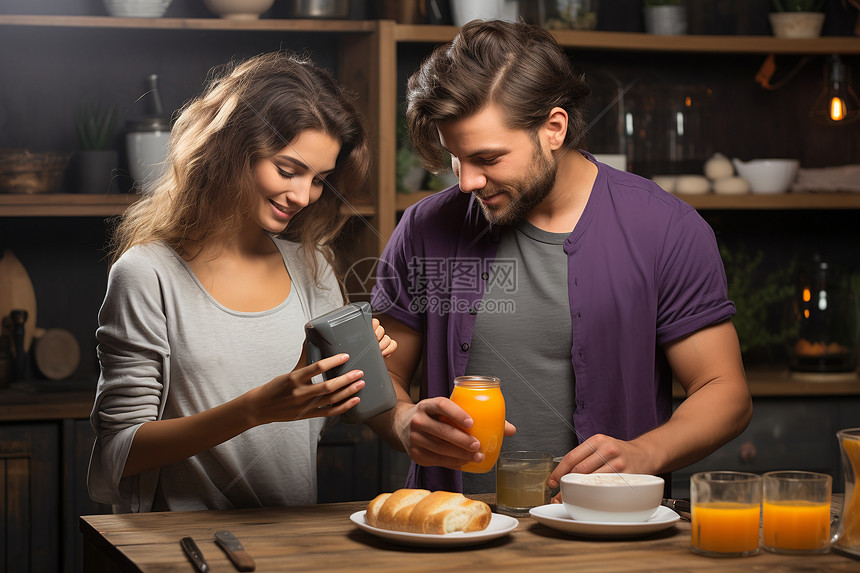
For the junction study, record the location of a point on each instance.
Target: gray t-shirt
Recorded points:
(523, 336)
(168, 349)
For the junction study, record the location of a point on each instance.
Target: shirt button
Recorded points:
(473, 311)
(465, 346)
(580, 353)
(578, 315)
(485, 275)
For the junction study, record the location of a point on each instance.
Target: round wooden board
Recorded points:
(56, 354)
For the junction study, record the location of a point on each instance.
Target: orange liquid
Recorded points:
(850, 535)
(796, 525)
(722, 527)
(486, 406)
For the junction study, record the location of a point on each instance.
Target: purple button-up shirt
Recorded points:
(643, 270)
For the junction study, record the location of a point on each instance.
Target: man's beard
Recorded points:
(525, 194)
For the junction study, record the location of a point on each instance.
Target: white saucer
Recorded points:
(500, 525)
(555, 516)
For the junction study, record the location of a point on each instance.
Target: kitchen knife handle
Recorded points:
(241, 560)
(194, 554)
(234, 550)
(679, 506)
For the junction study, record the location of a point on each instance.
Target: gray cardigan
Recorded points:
(167, 349)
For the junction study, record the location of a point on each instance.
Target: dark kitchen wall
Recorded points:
(51, 81)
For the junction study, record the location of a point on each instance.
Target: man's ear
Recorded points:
(555, 128)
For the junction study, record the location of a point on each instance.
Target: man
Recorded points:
(582, 287)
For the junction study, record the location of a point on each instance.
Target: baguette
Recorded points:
(400, 499)
(419, 511)
(372, 513)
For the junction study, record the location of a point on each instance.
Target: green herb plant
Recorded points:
(407, 163)
(96, 126)
(761, 299)
(798, 5)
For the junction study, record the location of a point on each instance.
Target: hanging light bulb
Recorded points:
(837, 104)
(837, 109)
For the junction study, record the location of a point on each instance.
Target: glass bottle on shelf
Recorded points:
(824, 310)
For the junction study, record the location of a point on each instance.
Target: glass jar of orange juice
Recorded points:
(481, 397)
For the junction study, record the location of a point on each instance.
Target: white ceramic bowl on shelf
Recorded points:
(239, 9)
(611, 497)
(768, 175)
(136, 8)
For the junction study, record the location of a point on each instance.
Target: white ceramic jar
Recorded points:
(464, 11)
(146, 141)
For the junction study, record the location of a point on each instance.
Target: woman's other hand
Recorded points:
(386, 344)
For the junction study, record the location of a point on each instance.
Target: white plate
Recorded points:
(555, 516)
(500, 525)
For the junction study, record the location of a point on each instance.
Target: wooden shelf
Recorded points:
(64, 205)
(263, 25)
(733, 202)
(595, 40)
(69, 205)
(80, 205)
(780, 382)
(779, 201)
(627, 41)
(21, 405)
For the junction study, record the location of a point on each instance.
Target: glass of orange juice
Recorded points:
(481, 397)
(796, 512)
(726, 512)
(847, 538)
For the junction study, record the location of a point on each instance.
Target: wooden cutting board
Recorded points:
(16, 292)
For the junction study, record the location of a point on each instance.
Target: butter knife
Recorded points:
(234, 550)
(194, 554)
(679, 506)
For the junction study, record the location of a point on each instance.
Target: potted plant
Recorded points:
(667, 17)
(96, 157)
(797, 18)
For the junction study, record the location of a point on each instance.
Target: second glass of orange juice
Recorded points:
(481, 397)
(796, 512)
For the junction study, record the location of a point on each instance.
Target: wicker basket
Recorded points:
(23, 171)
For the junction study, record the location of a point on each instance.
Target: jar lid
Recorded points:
(477, 381)
(155, 123)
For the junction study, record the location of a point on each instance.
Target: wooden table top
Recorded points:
(322, 538)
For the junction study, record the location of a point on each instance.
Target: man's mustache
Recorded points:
(489, 192)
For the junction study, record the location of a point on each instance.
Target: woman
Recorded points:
(205, 400)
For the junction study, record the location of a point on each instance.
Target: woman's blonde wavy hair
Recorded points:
(249, 111)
